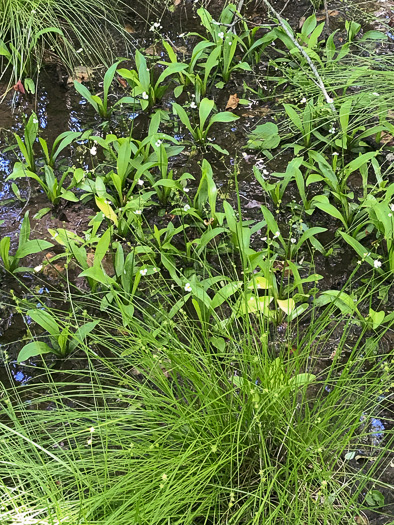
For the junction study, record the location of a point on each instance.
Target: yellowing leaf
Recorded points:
(287, 305)
(260, 283)
(103, 205)
(256, 304)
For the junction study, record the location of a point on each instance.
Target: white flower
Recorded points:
(221, 35)
(376, 94)
(186, 190)
(186, 207)
(91, 430)
(145, 96)
(330, 100)
(140, 182)
(90, 441)
(138, 212)
(152, 28)
(303, 100)
(293, 241)
(331, 130)
(335, 154)
(229, 43)
(93, 150)
(79, 50)
(193, 105)
(158, 143)
(33, 11)
(35, 121)
(266, 172)
(143, 272)
(188, 287)
(377, 264)
(38, 268)
(276, 235)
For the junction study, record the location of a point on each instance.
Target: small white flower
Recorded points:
(266, 172)
(303, 100)
(33, 11)
(229, 43)
(79, 50)
(330, 100)
(276, 235)
(152, 28)
(158, 143)
(335, 154)
(182, 35)
(91, 430)
(263, 238)
(145, 96)
(93, 150)
(186, 190)
(293, 241)
(138, 212)
(143, 272)
(140, 182)
(188, 287)
(35, 121)
(376, 94)
(186, 207)
(38, 268)
(358, 262)
(221, 35)
(193, 105)
(331, 130)
(90, 441)
(377, 264)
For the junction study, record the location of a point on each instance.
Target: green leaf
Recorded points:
(32, 349)
(102, 247)
(302, 380)
(206, 106)
(30, 247)
(227, 291)
(81, 334)
(45, 320)
(105, 207)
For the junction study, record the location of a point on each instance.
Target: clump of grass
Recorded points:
(166, 427)
(73, 31)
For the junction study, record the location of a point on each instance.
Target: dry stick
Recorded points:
(319, 80)
(327, 17)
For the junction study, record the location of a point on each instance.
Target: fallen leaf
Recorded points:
(232, 102)
(81, 74)
(122, 82)
(321, 15)
(151, 50)
(361, 520)
(386, 139)
(19, 87)
(129, 28)
(257, 112)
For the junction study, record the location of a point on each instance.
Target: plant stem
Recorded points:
(319, 80)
